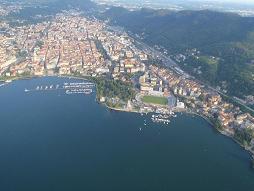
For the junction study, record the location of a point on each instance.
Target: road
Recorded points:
(171, 64)
(168, 62)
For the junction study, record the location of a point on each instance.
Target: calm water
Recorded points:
(50, 141)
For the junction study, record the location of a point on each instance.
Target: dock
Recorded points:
(70, 88)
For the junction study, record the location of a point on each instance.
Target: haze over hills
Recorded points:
(40, 10)
(244, 8)
(60, 4)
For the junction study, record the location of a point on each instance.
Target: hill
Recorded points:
(227, 37)
(45, 8)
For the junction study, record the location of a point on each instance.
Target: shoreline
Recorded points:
(224, 133)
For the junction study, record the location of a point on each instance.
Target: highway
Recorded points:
(168, 62)
(171, 64)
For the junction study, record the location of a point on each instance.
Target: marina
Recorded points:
(161, 119)
(77, 128)
(79, 91)
(85, 88)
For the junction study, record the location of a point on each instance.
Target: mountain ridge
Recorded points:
(227, 36)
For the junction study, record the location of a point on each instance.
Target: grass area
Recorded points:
(208, 60)
(11, 78)
(23, 76)
(114, 89)
(155, 100)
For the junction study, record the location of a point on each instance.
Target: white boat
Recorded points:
(68, 92)
(88, 91)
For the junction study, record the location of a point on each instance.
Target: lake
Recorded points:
(51, 141)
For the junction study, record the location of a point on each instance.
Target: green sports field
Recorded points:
(155, 100)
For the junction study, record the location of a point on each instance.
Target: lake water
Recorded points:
(50, 141)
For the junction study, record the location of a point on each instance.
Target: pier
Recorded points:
(70, 88)
(160, 119)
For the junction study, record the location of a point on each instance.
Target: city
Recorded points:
(74, 45)
(127, 95)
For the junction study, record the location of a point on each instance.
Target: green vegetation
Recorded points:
(39, 43)
(19, 76)
(214, 119)
(178, 31)
(5, 78)
(115, 105)
(114, 89)
(102, 50)
(216, 123)
(208, 60)
(156, 62)
(22, 54)
(155, 100)
(244, 136)
(207, 65)
(227, 36)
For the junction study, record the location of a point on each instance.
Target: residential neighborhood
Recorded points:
(73, 45)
